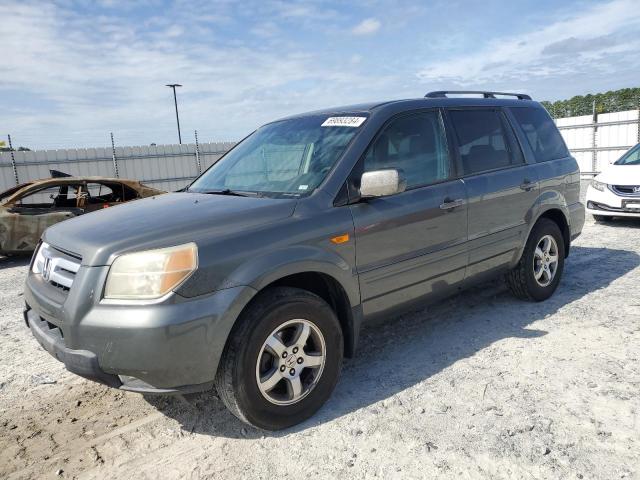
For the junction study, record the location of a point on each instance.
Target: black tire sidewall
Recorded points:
(544, 227)
(258, 410)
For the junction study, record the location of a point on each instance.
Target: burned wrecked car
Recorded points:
(28, 209)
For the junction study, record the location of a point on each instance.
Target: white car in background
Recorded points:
(616, 191)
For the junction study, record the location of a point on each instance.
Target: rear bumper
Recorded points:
(576, 219)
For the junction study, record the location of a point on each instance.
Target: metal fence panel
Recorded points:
(168, 167)
(599, 140)
(618, 137)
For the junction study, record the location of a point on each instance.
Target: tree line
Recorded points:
(611, 101)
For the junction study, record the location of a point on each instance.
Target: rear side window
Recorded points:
(483, 140)
(543, 136)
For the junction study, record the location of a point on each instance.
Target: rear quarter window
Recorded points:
(542, 134)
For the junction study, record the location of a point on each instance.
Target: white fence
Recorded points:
(168, 167)
(599, 140)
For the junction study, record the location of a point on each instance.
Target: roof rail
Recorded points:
(444, 93)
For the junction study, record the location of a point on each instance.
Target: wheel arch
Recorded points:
(332, 292)
(560, 218)
(319, 271)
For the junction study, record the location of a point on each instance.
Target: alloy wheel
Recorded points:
(545, 261)
(290, 362)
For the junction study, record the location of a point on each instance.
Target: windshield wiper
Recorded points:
(234, 193)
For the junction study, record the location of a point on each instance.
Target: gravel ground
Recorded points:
(477, 386)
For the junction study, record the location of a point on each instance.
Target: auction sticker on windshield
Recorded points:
(344, 121)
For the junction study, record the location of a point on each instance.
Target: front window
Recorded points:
(58, 196)
(289, 158)
(632, 157)
(416, 145)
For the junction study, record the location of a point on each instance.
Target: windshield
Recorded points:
(632, 157)
(282, 159)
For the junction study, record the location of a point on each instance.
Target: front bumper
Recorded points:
(80, 362)
(169, 347)
(609, 204)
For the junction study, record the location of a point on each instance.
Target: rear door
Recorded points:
(556, 170)
(411, 244)
(501, 187)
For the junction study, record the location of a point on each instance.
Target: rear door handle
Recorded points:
(528, 185)
(448, 204)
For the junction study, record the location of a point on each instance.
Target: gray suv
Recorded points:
(256, 278)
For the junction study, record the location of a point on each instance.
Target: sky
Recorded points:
(72, 71)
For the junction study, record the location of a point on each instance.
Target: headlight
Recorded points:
(150, 274)
(598, 185)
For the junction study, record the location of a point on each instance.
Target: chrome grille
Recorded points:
(57, 268)
(626, 190)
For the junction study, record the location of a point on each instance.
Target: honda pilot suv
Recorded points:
(256, 278)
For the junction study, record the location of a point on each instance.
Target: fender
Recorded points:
(546, 201)
(261, 271)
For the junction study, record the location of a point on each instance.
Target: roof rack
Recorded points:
(444, 93)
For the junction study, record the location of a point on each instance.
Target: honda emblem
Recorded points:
(46, 269)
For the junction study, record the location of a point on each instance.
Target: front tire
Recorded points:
(538, 273)
(282, 360)
(602, 218)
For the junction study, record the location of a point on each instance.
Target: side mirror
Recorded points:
(381, 183)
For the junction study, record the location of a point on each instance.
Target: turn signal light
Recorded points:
(340, 239)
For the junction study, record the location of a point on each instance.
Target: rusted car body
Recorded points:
(28, 209)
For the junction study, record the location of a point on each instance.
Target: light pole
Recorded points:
(175, 101)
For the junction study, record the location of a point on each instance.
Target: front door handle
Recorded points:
(448, 204)
(527, 185)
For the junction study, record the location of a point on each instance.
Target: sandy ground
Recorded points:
(478, 386)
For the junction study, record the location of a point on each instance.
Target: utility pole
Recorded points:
(594, 139)
(13, 161)
(114, 158)
(175, 102)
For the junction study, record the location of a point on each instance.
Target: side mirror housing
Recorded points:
(381, 183)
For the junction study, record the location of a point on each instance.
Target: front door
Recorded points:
(412, 244)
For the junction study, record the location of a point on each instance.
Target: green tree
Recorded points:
(611, 101)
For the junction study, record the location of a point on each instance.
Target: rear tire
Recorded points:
(282, 360)
(538, 273)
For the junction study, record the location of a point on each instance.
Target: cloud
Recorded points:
(367, 27)
(174, 31)
(566, 47)
(573, 45)
(70, 78)
(72, 72)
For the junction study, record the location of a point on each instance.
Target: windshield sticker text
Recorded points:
(344, 121)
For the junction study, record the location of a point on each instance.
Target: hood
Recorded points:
(620, 175)
(165, 220)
